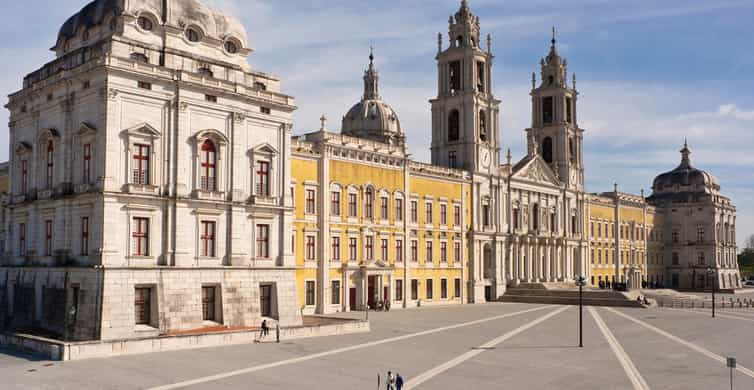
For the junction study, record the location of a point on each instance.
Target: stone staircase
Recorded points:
(568, 294)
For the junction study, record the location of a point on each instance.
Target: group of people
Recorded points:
(380, 305)
(394, 382)
(642, 300)
(607, 284)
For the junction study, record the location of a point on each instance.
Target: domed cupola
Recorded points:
(684, 182)
(372, 118)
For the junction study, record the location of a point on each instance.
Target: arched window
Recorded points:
(547, 149)
(208, 167)
(459, 41)
(193, 35)
(50, 164)
(369, 203)
(231, 47)
(145, 23)
(454, 125)
(482, 126)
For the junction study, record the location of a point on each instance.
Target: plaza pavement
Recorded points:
(490, 346)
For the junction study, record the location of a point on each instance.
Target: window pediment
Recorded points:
(22, 148)
(143, 130)
(264, 149)
(212, 134)
(46, 135)
(86, 129)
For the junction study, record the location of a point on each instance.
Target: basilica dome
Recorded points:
(684, 180)
(372, 118)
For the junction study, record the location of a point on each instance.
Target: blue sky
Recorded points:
(650, 72)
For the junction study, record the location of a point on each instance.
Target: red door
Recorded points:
(352, 298)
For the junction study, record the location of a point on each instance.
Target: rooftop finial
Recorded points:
(533, 80)
(508, 156)
(371, 55)
(554, 41)
(685, 153)
(323, 120)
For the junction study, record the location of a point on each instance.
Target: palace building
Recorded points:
(156, 187)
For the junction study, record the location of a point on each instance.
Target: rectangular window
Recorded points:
(457, 288)
(263, 178)
(700, 233)
(444, 252)
(599, 229)
(265, 110)
(335, 293)
(414, 289)
(457, 251)
(142, 306)
(455, 76)
(207, 238)
(140, 237)
(208, 303)
(369, 248)
(569, 111)
(50, 165)
(24, 176)
(480, 76)
(414, 211)
(399, 209)
(548, 110)
(516, 219)
(429, 289)
(676, 236)
(457, 216)
(335, 250)
(144, 85)
(352, 248)
(310, 201)
(444, 288)
(141, 164)
(428, 210)
(263, 241)
(383, 249)
(22, 239)
(353, 201)
(335, 203)
(399, 251)
(48, 238)
(429, 251)
(310, 293)
(368, 204)
(310, 247)
(485, 215)
(414, 251)
(210, 98)
(87, 163)
(399, 290)
(443, 214)
(383, 208)
(85, 236)
(452, 159)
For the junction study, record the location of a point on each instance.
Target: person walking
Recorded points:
(398, 381)
(265, 330)
(390, 380)
(277, 332)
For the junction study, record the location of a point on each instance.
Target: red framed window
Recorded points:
(263, 178)
(383, 249)
(369, 248)
(84, 236)
(48, 238)
(141, 164)
(87, 163)
(335, 255)
(353, 201)
(399, 251)
(335, 203)
(207, 238)
(24, 176)
(352, 249)
(368, 204)
(22, 239)
(383, 208)
(399, 209)
(263, 241)
(140, 237)
(208, 166)
(310, 248)
(310, 202)
(50, 164)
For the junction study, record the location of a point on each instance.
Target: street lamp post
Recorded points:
(581, 281)
(711, 273)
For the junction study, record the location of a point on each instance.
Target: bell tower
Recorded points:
(555, 133)
(465, 113)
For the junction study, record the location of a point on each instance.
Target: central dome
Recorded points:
(684, 180)
(372, 118)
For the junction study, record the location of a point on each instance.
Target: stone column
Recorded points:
(546, 259)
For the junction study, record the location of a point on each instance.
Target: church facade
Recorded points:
(156, 187)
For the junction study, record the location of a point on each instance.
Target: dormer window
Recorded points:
(231, 47)
(139, 57)
(145, 23)
(205, 71)
(193, 35)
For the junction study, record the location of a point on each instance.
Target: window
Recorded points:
(335, 203)
(399, 290)
(454, 126)
(599, 229)
(455, 76)
(210, 98)
(443, 288)
(310, 247)
(429, 289)
(574, 224)
(260, 85)
(452, 159)
(548, 110)
(310, 292)
(140, 237)
(206, 71)
(414, 251)
(207, 239)
(516, 219)
(369, 248)
(208, 166)
(352, 248)
(144, 84)
(22, 239)
(142, 306)
(335, 291)
(141, 164)
(231, 47)
(444, 252)
(48, 238)
(383, 249)
(263, 241)
(429, 251)
(414, 289)
(352, 205)
(24, 176)
(50, 164)
(553, 221)
(414, 211)
(208, 303)
(535, 217)
(457, 251)
(443, 214)
(193, 35)
(457, 288)
(383, 208)
(265, 110)
(482, 126)
(700, 233)
(263, 178)
(87, 163)
(145, 23)
(335, 255)
(399, 251)
(547, 150)
(310, 202)
(368, 204)
(676, 259)
(569, 111)
(85, 236)
(457, 216)
(700, 258)
(428, 210)
(676, 236)
(265, 300)
(480, 76)
(399, 209)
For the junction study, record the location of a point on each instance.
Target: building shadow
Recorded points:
(21, 354)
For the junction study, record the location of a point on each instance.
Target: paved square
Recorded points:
(475, 346)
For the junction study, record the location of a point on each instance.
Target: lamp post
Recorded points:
(711, 273)
(581, 281)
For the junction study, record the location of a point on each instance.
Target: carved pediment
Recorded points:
(538, 171)
(143, 129)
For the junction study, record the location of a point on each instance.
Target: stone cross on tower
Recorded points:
(323, 120)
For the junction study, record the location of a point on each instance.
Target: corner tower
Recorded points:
(465, 113)
(555, 132)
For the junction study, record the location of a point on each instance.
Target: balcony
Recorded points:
(82, 188)
(44, 194)
(265, 200)
(143, 189)
(209, 195)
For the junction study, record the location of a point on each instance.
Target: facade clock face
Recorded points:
(486, 158)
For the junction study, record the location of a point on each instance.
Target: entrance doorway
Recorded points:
(371, 291)
(488, 293)
(352, 298)
(267, 300)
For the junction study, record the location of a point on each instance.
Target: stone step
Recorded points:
(562, 300)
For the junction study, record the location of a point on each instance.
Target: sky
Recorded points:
(650, 73)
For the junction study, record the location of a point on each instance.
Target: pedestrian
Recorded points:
(390, 380)
(277, 332)
(398, 381)
(265, 329)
